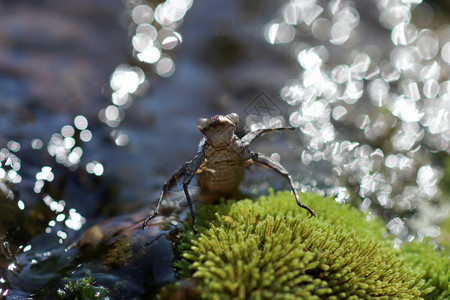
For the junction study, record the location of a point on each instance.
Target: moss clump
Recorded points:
(82, 289)
(435, 268)
(270, 249)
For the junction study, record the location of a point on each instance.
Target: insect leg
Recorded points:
(187, 179)
(166, 187)
(249, 137)
(277, 167)
(191, 168)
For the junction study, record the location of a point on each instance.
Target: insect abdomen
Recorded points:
(222, 179)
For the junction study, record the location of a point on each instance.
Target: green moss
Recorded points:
(82, 289)
(270, 249)
(434, 265)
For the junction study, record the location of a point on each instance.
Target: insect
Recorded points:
(220, 162)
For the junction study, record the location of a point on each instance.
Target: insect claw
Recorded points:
(145, 224)
(312, 214)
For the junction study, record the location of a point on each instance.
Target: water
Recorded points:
(98, 104)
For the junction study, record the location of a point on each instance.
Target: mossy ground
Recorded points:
(271, 249)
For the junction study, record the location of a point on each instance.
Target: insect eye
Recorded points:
(202, 123)
(233, 117)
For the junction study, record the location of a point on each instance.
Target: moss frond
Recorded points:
(270, 249)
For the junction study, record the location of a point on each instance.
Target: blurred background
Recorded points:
(99, 100)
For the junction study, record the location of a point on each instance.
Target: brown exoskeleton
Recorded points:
(220, 161)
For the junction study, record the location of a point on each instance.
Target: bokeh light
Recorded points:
(80, 122)
(154, 36)
(95, 167)
(399, 96)
(155, 31)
